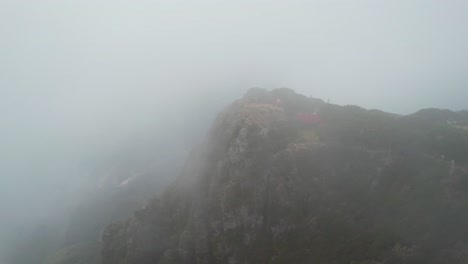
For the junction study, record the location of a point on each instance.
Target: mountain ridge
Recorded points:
(347, 186)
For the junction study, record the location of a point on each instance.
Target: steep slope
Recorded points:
(284, 178)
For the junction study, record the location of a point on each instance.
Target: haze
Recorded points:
(83, 80)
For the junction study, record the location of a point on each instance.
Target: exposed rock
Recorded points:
(264, 189)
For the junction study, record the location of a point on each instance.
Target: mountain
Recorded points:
(441, 116)
(283, 178)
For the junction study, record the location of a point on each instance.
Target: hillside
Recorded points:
(441, 116)
(283, 178)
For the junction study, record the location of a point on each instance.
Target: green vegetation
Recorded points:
(359, 187)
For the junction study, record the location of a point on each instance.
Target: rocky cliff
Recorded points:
(357, 186)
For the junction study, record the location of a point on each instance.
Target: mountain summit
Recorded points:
(283, 178)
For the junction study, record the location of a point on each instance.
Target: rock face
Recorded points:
(266, 188)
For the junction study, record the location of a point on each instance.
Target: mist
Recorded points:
(88, 85)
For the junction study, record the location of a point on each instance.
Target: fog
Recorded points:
(84, 81)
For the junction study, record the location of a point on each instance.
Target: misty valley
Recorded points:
(279, 178)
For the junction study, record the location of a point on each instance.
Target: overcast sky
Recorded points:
(77, 76)
(395, 55)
